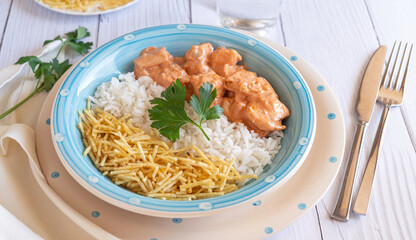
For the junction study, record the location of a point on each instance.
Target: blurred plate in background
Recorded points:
(90, 12)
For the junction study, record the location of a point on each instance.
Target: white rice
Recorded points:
(125, 94)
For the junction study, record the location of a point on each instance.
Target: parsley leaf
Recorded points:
(80, 47)
(48, 73)
(73, 40)
(79, 33)
(32, 60)
(201, 105)
(56, 38)
(168, 113)
(49, 80)
(60, 68)
(26, 59)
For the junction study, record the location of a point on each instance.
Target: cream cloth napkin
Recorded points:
(29, 208)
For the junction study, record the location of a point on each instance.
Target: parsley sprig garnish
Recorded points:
(48, 73)
(169, 115)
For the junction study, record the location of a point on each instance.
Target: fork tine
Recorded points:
(383, 81)
(405, 71)
(400, 67)
(394, 67)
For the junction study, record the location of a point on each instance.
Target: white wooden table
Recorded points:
(337, 37)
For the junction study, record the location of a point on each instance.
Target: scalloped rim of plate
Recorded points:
(69, 12)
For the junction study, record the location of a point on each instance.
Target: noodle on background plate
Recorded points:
(85, 5)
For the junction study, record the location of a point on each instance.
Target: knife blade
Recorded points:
(369, 86)
(366, 99)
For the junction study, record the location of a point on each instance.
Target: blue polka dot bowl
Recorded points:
(117, 57)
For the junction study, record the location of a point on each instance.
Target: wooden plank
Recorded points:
(393, 22)
(140, 15)
(29, 25)
(338, 38)
(204, 12)
(5, 6)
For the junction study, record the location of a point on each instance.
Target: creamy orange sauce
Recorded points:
(244, 96)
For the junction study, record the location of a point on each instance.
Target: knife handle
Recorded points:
(364, 192)
(342, 208)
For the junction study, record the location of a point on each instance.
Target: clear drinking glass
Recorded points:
(249, 14)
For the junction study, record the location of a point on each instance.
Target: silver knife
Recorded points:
(364, 108)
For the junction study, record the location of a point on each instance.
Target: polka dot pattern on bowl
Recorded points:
(134, 201)
(129, 37)
(181, 27)
(270, 178)
(205, 206)
(179, 37)
(93, 179)
(257, 203)
(303, 141)
(297, 85)
(59, 137)
(84, 64)
(252, 42)
(64, 92)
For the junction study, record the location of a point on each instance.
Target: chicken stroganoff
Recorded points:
(242, 141)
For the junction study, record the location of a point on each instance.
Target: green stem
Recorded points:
(60, 49)
(37, 84)
(36, 91)
(195, 124)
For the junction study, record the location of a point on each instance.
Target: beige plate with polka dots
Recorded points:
(255, 220)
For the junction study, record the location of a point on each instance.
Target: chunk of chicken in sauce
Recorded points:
(158, 64)
(224, 61)
(217, 81)
(252, 101)
(244, 96)
(197, 58)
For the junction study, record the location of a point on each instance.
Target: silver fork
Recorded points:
(389, 96)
